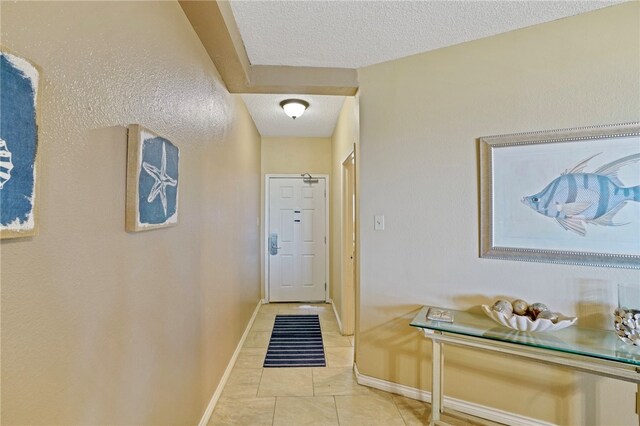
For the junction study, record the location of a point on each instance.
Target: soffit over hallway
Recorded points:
(314, 48)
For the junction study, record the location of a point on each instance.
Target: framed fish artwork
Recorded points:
(152, 181)
(562, 196)
(18, 146)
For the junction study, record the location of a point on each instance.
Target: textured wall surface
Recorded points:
(420, 118)
(100, 326)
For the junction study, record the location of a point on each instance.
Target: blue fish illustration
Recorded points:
(577, 198)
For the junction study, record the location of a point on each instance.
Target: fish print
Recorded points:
(576, 198)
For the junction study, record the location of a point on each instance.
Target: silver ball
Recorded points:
(536, 308)
(552, 316)
(503, 306)
(520, 307)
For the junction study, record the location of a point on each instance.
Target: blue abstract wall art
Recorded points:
(152, 182)
(18, 146)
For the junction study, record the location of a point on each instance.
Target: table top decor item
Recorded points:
(626, 319)
(538, 317)
(437, 314)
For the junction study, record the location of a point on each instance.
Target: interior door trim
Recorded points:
(265, 235)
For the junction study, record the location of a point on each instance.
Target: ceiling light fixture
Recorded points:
(294, 107)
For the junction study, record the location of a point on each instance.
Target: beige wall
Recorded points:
(296, 155)
(291, 155)
(420, 119)
(345, 135)
(100, 326)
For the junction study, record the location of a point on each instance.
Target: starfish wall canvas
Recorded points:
(152, 181)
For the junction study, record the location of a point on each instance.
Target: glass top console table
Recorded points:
(589, 350)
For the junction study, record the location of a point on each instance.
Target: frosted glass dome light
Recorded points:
(294, 108)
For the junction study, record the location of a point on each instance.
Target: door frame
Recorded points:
(268, 176)
(348, 224)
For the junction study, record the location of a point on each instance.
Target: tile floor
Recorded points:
(309, 396)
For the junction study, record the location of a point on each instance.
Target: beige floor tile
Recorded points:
(251, 358)
(242, 383)
(307, 309)
(328, 315)
(352, 340)
(416, 413)
(367, 410)
(298, 312)
(286, 382)
(266, 316)
(243, 411)
(269, 308)
(455, 418)
(337, 381)
(287, 311)
(329, 326)
(262, 325)
(298, 396)
(257, 339)
(289, 305)
(412, 411)
(334, 339)
(312, 410)
(339, 357)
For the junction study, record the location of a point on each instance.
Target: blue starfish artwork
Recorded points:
(162, 180)
(158, 182)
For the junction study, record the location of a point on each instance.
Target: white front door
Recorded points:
(296, 242)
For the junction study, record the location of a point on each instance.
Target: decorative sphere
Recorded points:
(627, 325)
(503, 306)
(552, 316)
(536, 308)
(520, 307)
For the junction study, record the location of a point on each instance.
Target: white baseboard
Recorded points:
(223, 381)
(459, 405)
(335, 311)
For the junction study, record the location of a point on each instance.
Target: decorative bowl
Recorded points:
(524, 323)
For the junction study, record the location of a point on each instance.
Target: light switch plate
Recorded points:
(378, 222)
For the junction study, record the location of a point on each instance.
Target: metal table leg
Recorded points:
(436, 381)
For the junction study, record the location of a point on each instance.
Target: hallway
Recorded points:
(303, 396)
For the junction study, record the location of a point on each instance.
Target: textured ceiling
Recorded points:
(354, 33)
(318, 121)
(357, 33)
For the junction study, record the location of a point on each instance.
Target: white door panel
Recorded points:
(297, 218)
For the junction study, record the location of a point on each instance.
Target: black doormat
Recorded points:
(296, 341)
